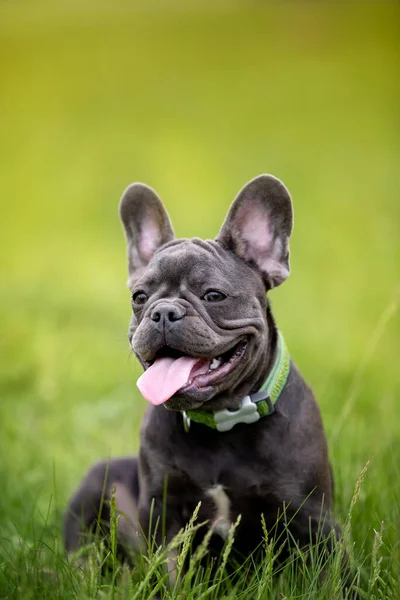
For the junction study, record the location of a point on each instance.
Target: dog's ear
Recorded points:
(147, 226)
(258, 226)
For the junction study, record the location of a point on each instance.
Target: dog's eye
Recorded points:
(139, 298)
(214, 296)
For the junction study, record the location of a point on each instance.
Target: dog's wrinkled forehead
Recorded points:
(188, 259)
(195, 262)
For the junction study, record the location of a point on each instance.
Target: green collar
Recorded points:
(252, 407)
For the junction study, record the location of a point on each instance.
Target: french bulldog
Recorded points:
(231, 423)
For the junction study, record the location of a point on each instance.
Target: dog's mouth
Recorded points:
(171, 371)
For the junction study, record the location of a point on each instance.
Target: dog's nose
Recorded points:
(165, 311)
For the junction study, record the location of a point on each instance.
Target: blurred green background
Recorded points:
(194, 99)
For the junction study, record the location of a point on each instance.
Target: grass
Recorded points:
(193, 99)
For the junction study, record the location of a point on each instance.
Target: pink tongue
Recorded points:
(167, 375)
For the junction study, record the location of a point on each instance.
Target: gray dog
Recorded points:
(239, 428)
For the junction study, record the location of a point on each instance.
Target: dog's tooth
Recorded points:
(215, 364)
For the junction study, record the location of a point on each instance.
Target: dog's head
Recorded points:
(199, 325)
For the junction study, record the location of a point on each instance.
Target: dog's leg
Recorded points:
(129, 530)
(89, 508)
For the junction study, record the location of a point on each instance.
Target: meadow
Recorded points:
(194, 99)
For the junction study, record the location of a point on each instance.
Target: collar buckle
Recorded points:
(271, 407)
(264, 403)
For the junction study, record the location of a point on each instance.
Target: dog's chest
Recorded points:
(230, 475)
